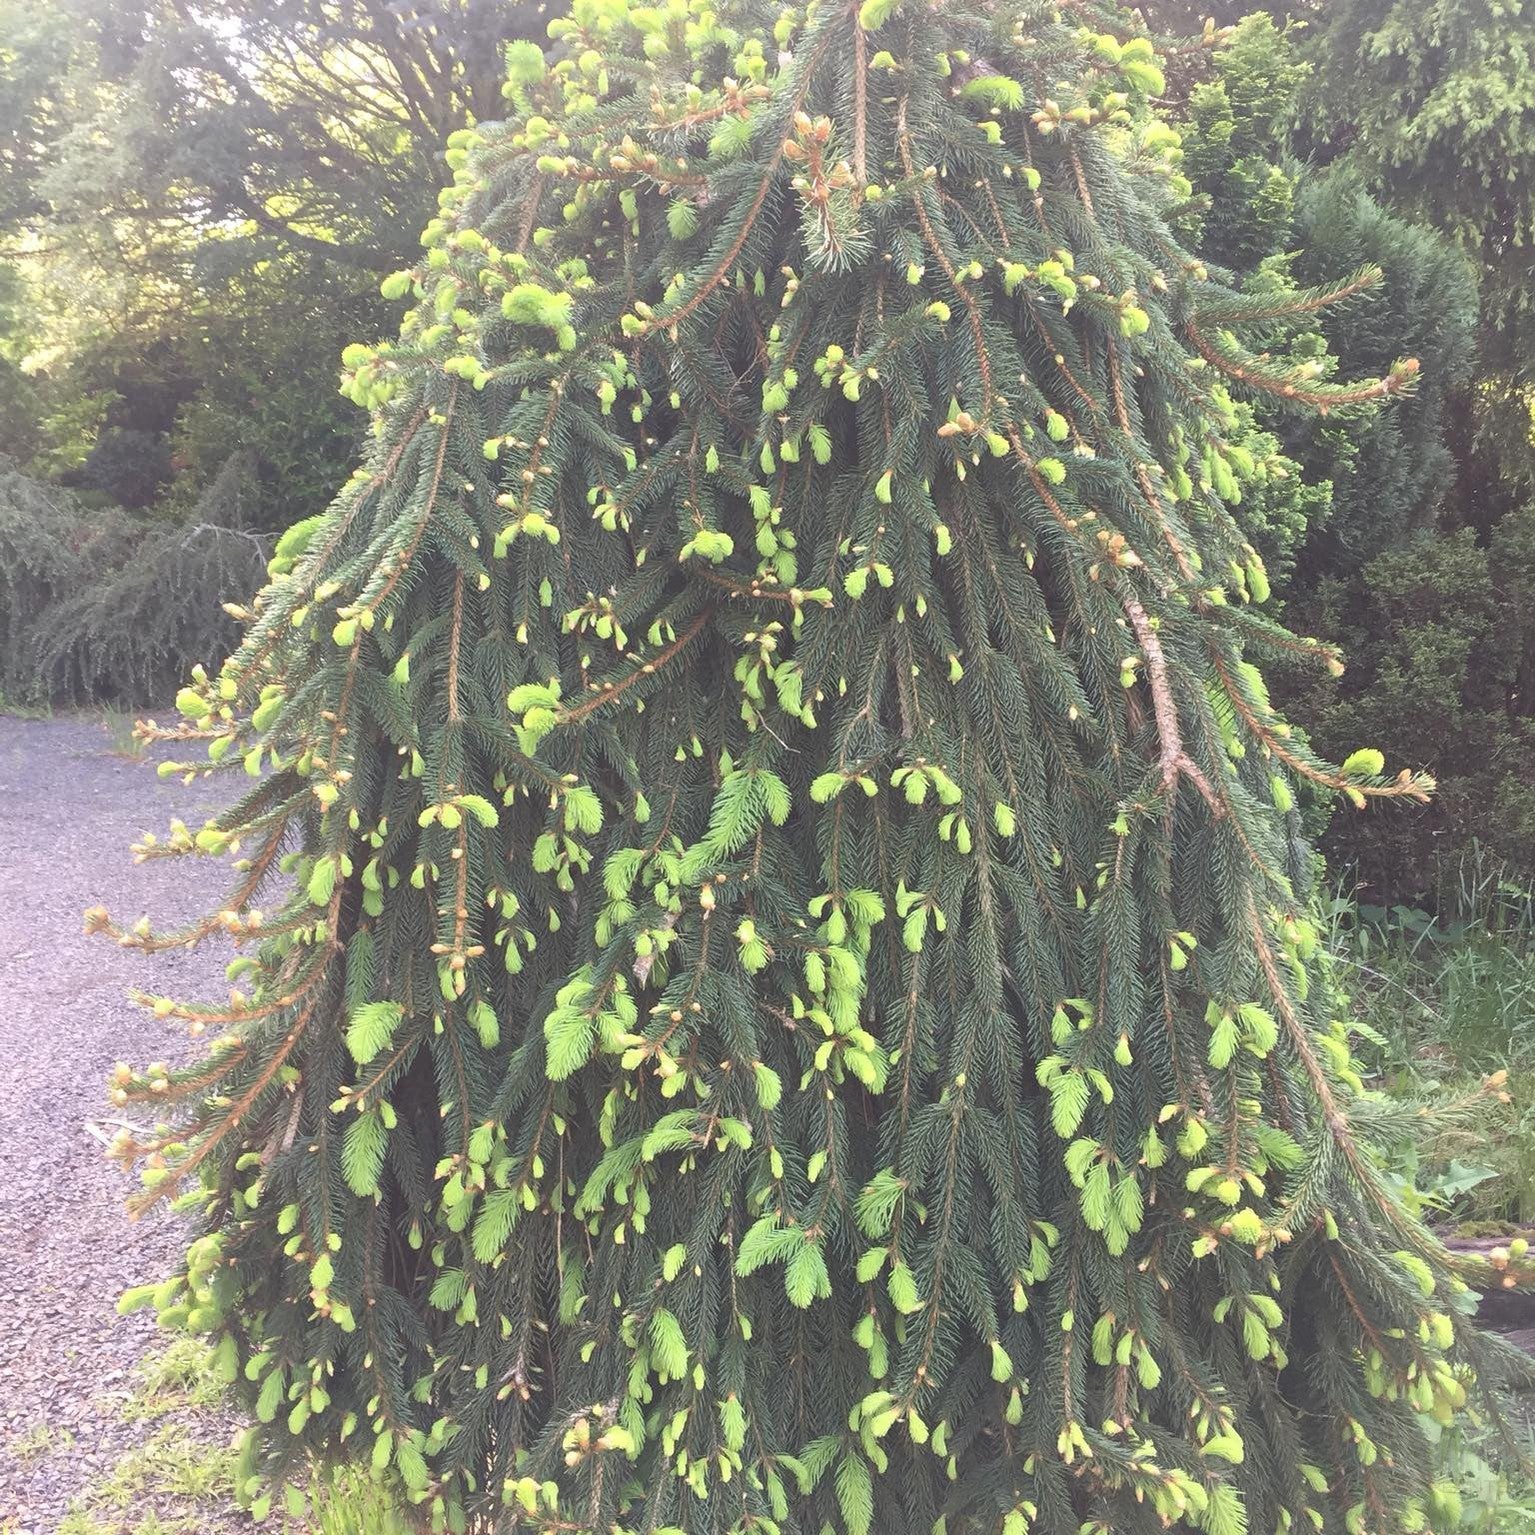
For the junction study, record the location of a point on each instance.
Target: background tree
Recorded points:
(1432, 104)
(200, 202)
(1274, 219)
(798, 1007)
(1396, 562)
(1441, 616)
(231, 181)
(296, 126)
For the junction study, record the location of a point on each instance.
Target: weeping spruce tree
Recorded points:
(793, 1006)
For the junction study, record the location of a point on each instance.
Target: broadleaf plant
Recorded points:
(794, 1005)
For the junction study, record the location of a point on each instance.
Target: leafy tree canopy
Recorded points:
(200, 200)
(1434, 103)
(290, 125)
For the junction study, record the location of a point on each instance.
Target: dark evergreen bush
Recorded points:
(99, 605)
(797, 1007)
(39, 562)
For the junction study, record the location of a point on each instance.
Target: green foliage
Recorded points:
(1443, 1000)
(195, 209)
(292, 127)
(99, 605)
(1235, 144)
(1419, 575)
(265, 359)
(1280, 223)
(790, 996)
(1188, 17)
(127, 466)
(34, 66)
(1280, 506)
(1350, 527)
(1433, 103)
(38, 567)
(1391, 470)
(1439, 632)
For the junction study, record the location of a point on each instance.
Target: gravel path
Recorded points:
(69, 810)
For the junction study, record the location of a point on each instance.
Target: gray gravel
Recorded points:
(69, 810)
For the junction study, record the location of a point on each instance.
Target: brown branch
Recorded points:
(930, 239)
(183, 1169)
(1405, 786)
(454, 642)
(406, 555)
(579, 711)
(860, 103)
(1319, 400)
(1175, 761)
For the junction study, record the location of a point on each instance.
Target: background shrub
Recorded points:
(94, 601)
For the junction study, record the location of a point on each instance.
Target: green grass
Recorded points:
(175, 1469)
(23, 710)
(119, 727)
(36, 1442)
(175, 1380)
(1446, 1005)
(347, 1503)
(181, 1472)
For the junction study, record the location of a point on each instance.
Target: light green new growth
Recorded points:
(795, 1008)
